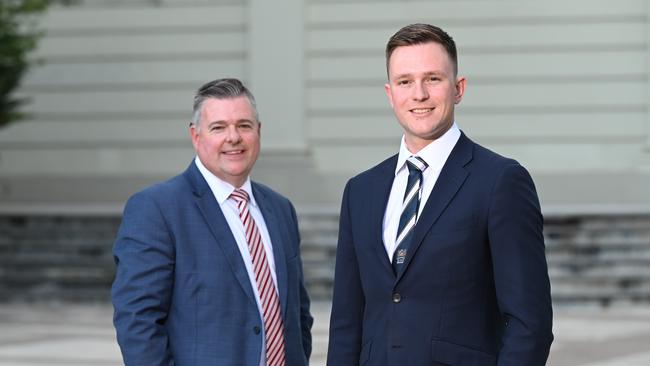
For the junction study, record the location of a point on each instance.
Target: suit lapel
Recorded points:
(379, 191)
(451, 178)
(219, 227)
(278, 240)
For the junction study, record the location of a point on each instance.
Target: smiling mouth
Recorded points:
(421, 110)
(233, 152)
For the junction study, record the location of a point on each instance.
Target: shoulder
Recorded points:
(165, 188)
(160, 194)
(499, 172)
(485, 155)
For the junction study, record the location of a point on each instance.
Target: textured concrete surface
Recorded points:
(61, 334)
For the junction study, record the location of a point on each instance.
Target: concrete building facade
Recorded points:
(561, 86)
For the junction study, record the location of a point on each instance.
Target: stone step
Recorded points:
(601, 242)
(317, 223)
(89, 256)
(600, 260)
(45, 245)
(318, 271)
(42, 264)
(602, 294)
(603, 222)
(61, 229)
(641, 270)
(49, 293)
(69, 274)
(319, 244)
(595, 260)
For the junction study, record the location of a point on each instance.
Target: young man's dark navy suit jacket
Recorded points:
(476, 290)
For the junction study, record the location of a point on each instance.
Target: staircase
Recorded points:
(599, 259)
(593, 260)
(44, 258)
(318, 232)
(69, 258)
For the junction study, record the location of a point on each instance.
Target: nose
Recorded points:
(233, 135)
(420, 92)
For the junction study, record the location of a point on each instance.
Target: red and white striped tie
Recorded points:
(273, 327)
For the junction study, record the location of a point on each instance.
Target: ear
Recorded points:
(389, 93)
(461, 82)
(194, 135)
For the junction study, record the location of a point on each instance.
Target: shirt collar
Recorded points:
(435, 153)
(222, 189)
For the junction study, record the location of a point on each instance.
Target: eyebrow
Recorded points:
(401, 76)
(221, 122)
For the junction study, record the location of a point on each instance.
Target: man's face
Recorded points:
(228, 140)
(423, 89)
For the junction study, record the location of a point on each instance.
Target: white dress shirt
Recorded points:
(435, 155)
(222, 191)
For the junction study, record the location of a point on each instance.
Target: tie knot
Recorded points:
(239, 195)
(417, 163)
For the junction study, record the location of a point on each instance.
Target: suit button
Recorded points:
(397, 297)
(256, 330)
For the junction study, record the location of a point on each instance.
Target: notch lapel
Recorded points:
(377, 195)
(449, 181)
(278, 240)
(218, 225)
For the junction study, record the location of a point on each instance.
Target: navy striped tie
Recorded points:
(410, 209)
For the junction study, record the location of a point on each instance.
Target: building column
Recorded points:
(276, 72)
(647, 119)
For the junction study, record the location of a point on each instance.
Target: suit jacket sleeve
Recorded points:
(520, 271)
(348, 301)
(144, 257)
(306, 320)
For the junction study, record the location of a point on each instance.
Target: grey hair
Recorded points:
(226, 88)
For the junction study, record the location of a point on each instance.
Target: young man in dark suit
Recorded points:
(440, 255)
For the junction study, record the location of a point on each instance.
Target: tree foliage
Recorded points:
(19, 35)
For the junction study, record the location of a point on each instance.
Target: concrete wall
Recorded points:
(562, 86)
(559, 85)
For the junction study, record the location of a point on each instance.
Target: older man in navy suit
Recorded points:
(208, 262)
(440, 256)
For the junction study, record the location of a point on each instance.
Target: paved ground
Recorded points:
(83, 335)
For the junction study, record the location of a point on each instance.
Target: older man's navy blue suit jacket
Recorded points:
(476, 290)
(182, 295)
